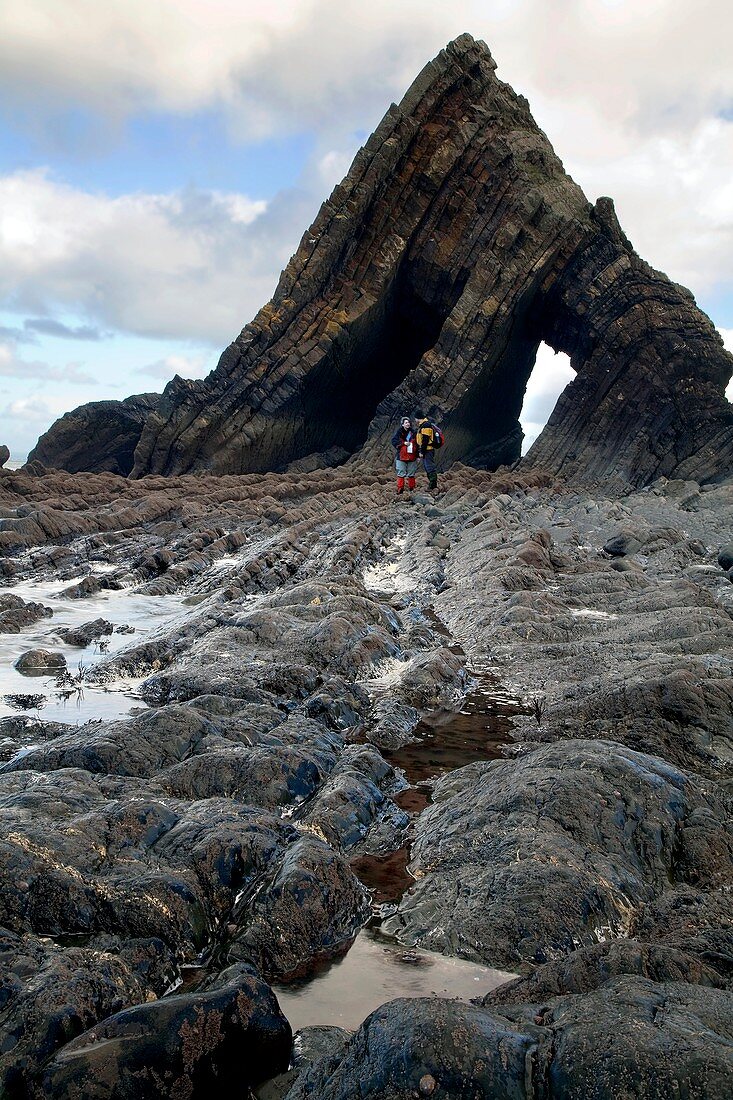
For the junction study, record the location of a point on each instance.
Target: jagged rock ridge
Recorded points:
(453, 247)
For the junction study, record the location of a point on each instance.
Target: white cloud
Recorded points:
(272, 64)
(632, 96)
(277, 63)
(25, 418)
(187, 265)
(13, 367)
(550, 376)
(187, 366)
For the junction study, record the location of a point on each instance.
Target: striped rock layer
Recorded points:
(453, 247)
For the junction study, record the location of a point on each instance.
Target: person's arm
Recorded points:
(397, 439)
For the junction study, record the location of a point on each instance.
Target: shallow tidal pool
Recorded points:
(377, 969)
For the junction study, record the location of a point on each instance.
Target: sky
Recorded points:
(160, 160)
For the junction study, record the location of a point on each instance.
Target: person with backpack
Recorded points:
(430, 438)
(405, 445)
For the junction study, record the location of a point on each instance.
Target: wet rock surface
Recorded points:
(16, 613)
(39, 661)
(636, 1038)
(225, 1038)
(519, 751)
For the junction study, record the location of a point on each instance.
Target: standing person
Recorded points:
(405, 446)
(429, 439)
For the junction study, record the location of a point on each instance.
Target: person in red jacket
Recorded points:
(405, 446)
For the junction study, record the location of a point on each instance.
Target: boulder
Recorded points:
(519, 862)
(35, 662)
(310, 911)
(633, 1038)
(222, 1040)
(15, 613)
(85, 634)
(725, 557)
(621, 544)
(412, 1048)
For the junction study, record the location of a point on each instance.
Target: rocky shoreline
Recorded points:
(162, 869)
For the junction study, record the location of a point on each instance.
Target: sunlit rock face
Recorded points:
(453, 247)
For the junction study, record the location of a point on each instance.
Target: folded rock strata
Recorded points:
(453, 247)
(230, 822)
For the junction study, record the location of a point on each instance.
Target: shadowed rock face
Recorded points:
(100, 436)
(455, 244)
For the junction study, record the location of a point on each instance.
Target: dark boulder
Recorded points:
(638, 1039)
(15, 613)
(99, 436)
(625, 543)
(310, 910)
(89, 586)
(35, 662)
(50, 994)
(85, 634)
(521, 861)
(140, 746)
(589, 968)
(222, 1040)
(725, 557)
(414, 1048)
(4, 455)
(633, 1038)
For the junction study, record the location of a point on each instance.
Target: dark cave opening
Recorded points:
(515, 389)
(370, 360)
(484, 429)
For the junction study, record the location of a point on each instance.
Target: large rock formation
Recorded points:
(455, 244)
(99, 436)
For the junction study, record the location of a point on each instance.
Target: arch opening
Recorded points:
(550, 375)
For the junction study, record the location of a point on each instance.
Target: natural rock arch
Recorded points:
(455, 244)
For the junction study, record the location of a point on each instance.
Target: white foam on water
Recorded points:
(388, 674)
(119, 607)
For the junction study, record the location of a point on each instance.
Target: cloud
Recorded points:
(277, 65)
(550, 376)
(190, 264)
(195, 366)
(12, 367)
(25, 418)
(17, 335)
(272, 65)
(47, 326)
(636, 99)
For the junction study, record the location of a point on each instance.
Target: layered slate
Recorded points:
(453, 247)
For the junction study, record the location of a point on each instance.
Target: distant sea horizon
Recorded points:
(15, 463)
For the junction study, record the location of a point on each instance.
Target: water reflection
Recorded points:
(375, 970)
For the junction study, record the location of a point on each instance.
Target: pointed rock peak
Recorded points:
(455, 245)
